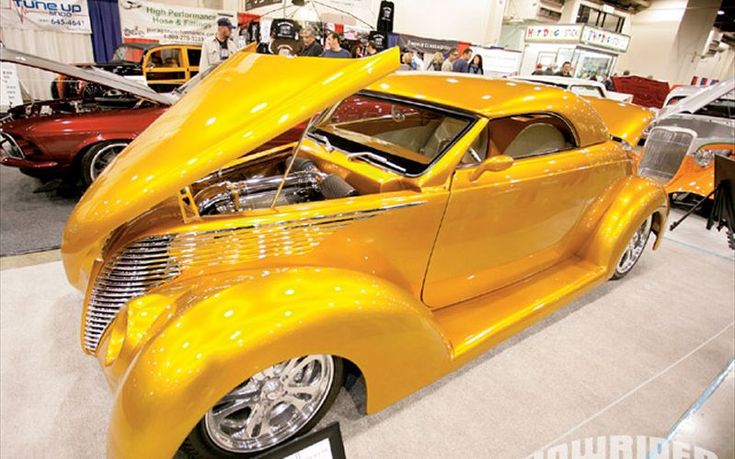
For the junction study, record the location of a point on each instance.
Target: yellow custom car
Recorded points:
(421, 219)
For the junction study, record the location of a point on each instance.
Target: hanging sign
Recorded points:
(158, 22)
(605, 39)
(10, 93)
(553, 33)
(71, 16)
(425, 45)
(252, 4)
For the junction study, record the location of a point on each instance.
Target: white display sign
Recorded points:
(71, 16)
(143, 20)
(554, 33)
(10, 93)
(604, 39)
(498, 62)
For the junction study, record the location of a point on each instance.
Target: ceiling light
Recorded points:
(720, 12)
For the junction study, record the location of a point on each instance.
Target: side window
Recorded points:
(589, 91)
(194, 56)
(477, 151)
(531, 135)
(165, 58)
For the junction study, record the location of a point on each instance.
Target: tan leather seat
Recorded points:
(536, 139)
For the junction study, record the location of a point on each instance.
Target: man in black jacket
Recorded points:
(312, 47)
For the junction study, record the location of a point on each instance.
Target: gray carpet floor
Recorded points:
(629, 358)
(32, 213)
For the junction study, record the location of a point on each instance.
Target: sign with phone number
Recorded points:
(71, 16)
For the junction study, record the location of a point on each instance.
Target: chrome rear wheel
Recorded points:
(273, 405)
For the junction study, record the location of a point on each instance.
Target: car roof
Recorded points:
(495, 98)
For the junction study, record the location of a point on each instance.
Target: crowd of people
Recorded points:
(222, 45)
(454, 61)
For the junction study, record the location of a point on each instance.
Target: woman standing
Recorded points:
(436, 63)
(476, 65)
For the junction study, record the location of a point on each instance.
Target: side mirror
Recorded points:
(493, 164)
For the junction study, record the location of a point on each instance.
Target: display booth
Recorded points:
(591, 51)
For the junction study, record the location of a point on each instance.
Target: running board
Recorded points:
(475, 325)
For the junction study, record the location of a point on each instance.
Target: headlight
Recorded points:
(705, 156)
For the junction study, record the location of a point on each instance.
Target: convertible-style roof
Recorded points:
(495, 98)
(93, 75)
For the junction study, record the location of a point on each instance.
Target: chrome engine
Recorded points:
(304, 184)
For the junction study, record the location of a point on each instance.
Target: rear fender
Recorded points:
(635, 199)
(216, 332)
(624, 121)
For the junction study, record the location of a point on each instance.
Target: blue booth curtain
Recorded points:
(104, 17)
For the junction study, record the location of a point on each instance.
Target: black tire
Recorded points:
(91, 155)
(198, 445)
(619, 274)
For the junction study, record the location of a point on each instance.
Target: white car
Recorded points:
(680, 93)
(579, 86)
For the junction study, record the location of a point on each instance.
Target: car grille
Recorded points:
(9, 146)
(150, 262)
(663, 153)
(140, 267)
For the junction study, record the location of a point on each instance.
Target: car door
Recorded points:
(501, 227)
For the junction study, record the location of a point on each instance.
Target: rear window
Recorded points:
(404, 136)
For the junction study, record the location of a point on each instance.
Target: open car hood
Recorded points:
(92, 75)
(248, 100)
(698, 100)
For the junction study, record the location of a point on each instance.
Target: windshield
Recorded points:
(125, 53)
(406, 137)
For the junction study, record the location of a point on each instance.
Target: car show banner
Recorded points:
(425, 45)
(157, 22)
(70, 16)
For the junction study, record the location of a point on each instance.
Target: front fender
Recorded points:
(215, 332)
(633, 200)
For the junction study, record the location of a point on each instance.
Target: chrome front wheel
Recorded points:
(271, 407)
(634, 249)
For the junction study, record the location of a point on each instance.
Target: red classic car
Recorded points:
(77, 137)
